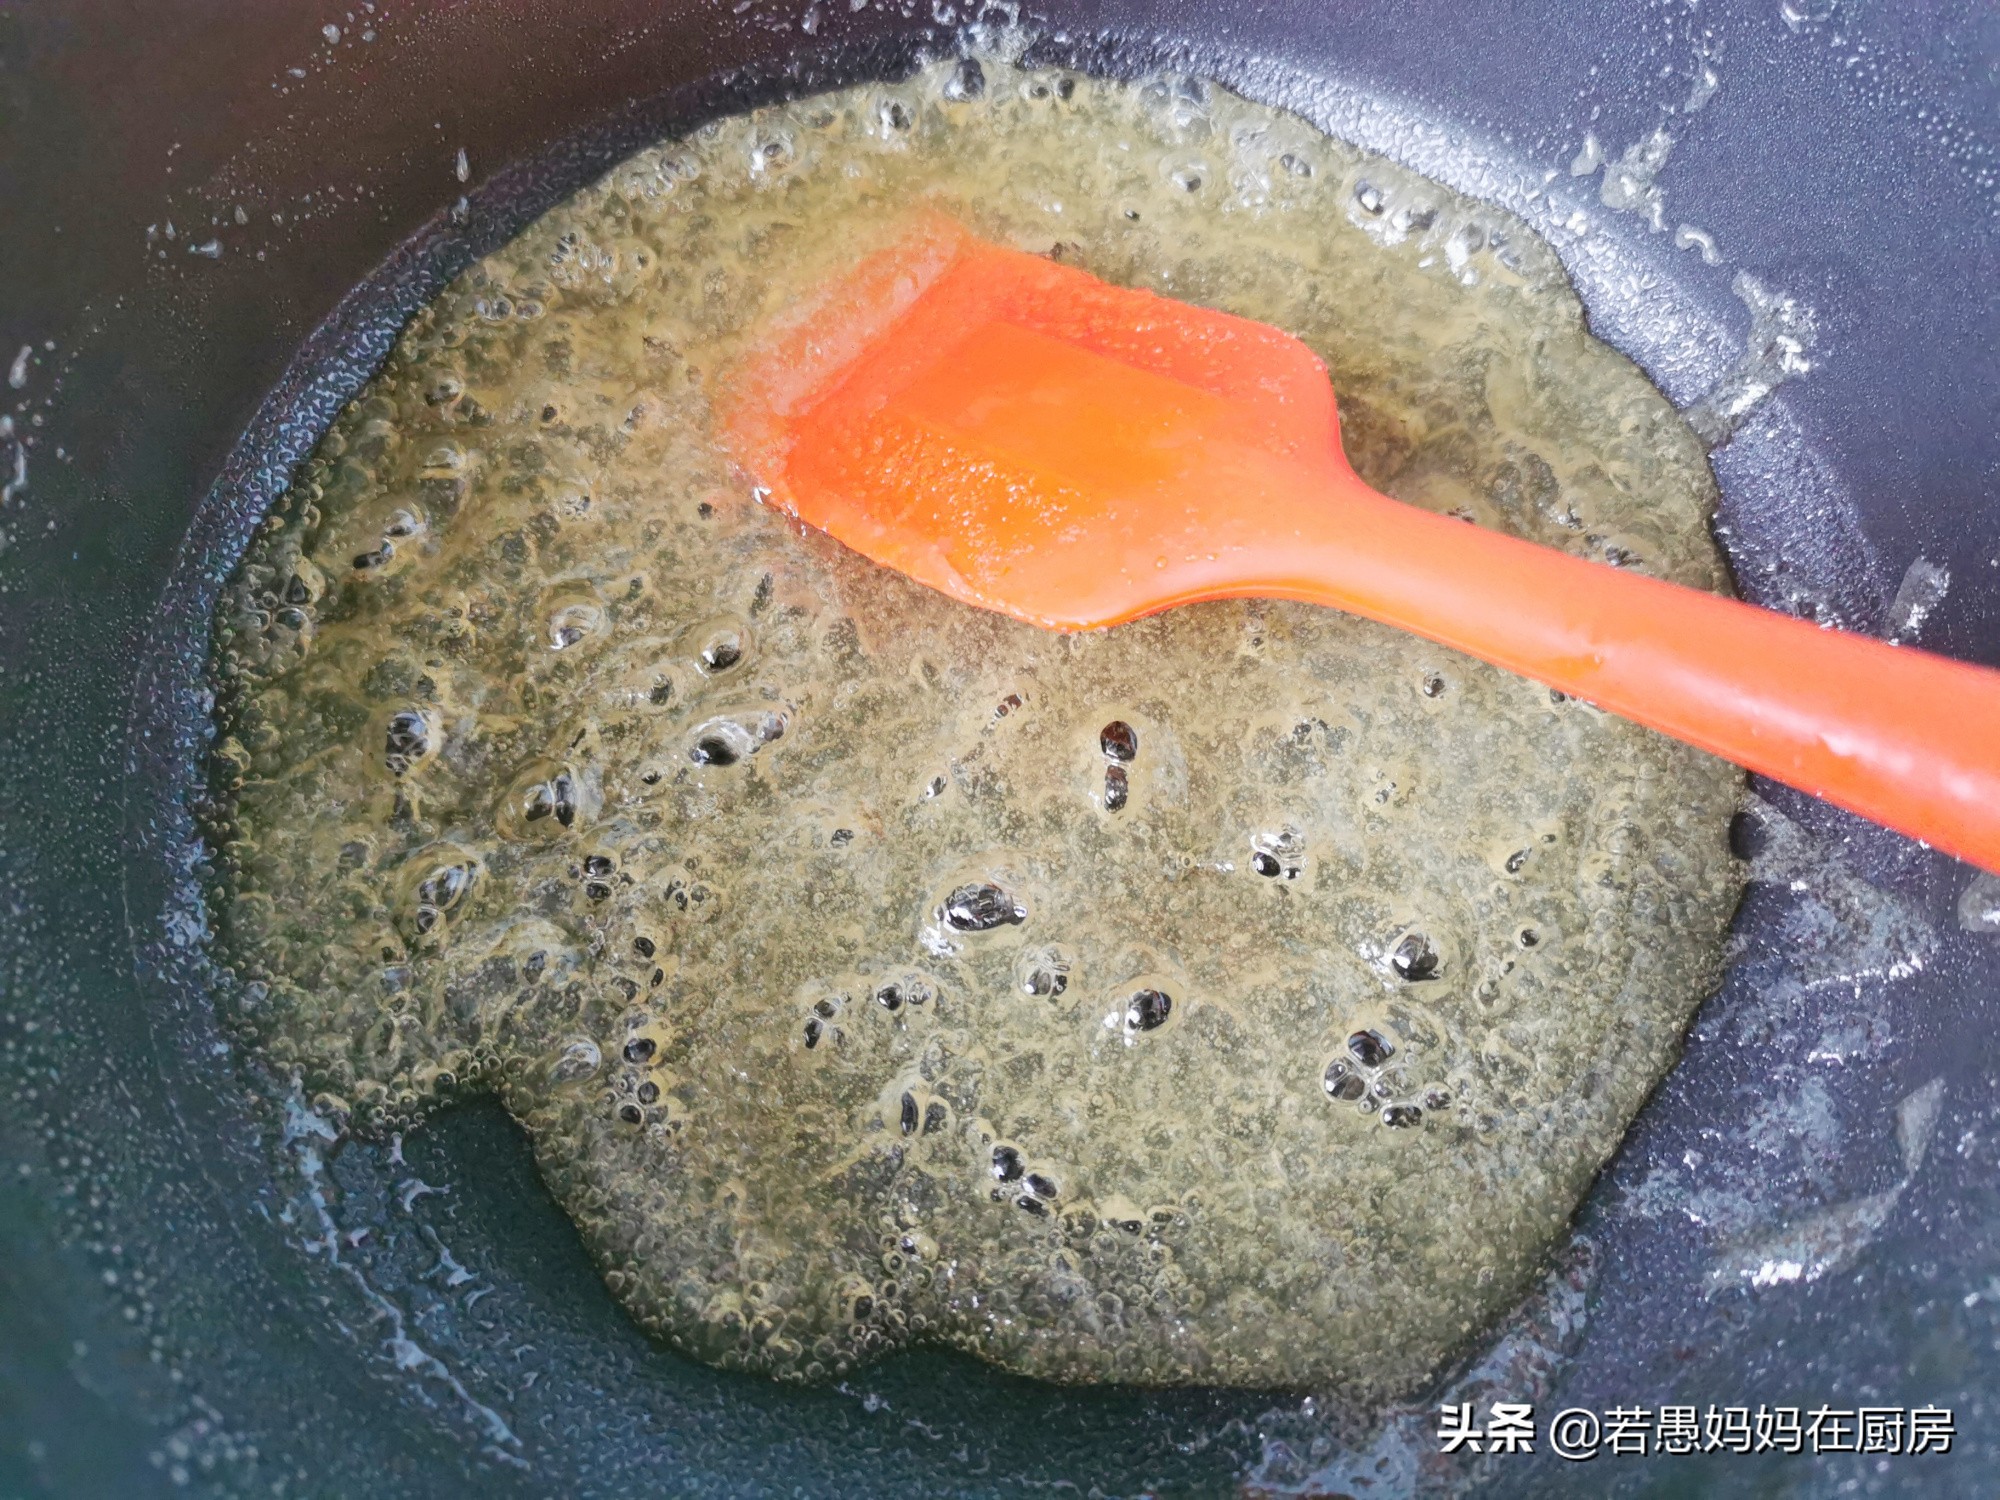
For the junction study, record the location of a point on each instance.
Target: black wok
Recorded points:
(173, 1313)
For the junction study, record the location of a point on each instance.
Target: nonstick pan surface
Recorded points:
(198, 1290)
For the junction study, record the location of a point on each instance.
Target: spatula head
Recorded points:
(1030, 439)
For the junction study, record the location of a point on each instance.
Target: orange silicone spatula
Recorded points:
(1029, 439)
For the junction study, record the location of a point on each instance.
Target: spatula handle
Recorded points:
(1901, 736)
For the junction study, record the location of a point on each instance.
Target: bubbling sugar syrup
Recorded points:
(1243, 996)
